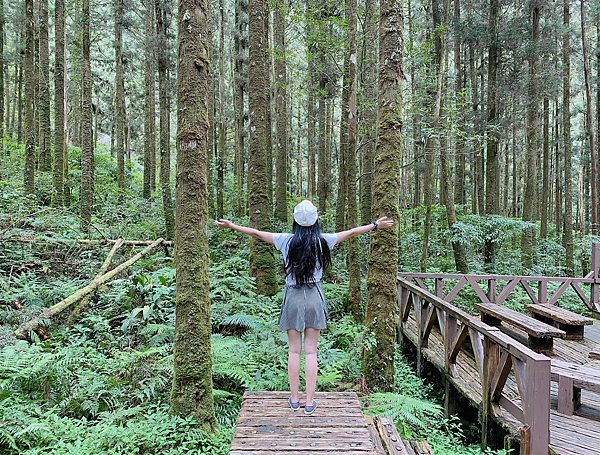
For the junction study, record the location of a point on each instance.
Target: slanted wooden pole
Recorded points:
(595, 291)
(33, 324)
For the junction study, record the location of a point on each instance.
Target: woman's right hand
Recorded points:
(225, 224)
(384, 222)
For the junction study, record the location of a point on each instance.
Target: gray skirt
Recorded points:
(303, 307)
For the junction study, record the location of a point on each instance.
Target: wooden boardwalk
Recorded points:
(267, 425)
(518, 381)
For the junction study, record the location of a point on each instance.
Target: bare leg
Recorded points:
(295, 348)
(311, 338)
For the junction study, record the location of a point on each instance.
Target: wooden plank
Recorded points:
(500, 376)
(421, 448)
(559, 292)
(286, 394)
(277, 432)
(299, 419)
(522, 321)
(260, 451)
(374, 434)
(390, 437)
(431, 318)
(294, 444)
(581, 295)
(510, 286)
(559, 314)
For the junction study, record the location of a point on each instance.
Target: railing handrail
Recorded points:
(458, 276)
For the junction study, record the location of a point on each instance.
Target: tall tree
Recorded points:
(492, 187)
(221, 127)
(369, 114)
(590, 125)
(241, 39)
(529, 208)
(378, 361)
(342, 194)
(281, 113)
(149, 102)
(28, 68)
(45, 154)
(87, 148)
(310, 56)
(545, 198)
(353, 258)
(58, 175)
(3, 69)
(192, 393)
(262, 262)
(165, 151)
(119, 94)
(460, 149)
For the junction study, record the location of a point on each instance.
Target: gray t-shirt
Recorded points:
(282, 243)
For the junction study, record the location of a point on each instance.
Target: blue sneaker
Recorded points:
(294, 406)
(308, 410)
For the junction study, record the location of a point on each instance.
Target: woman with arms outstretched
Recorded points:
(306, 255)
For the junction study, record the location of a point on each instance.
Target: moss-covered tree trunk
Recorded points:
(191, 394)
(58, 175)
(269, 99)
(353, 258)
(311, 155)
(369, 114)
(321, 174)
(45, 154)
(566, 128)
(221, 127)
(545, 197)
(280, 113)
(165, 151)
(149, 102)
(342, 189)
(262, 262)
(460, 149)
(87, 148)
(28, 69)
(119, 94)
(240, 39)
(4, 82)
(378, 362)
(529, 202)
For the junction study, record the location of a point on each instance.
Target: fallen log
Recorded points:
(80, 307)
(32, 324)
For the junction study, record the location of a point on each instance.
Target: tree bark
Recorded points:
(149, 102)
(4, 103)
(165, 150)
(280, 113)
(492, 196)
(590, 126)
(29, 168)
(310, 56)
(460, 149)
(87, 148)
(378, 360)
(262, 262)
(342, 190)
(221, 127)
(353, 258)
(45, 154)
(528, 238)
(545, 202)
(240, 39)
(322, 184)
(268, 97)
(58, 176)
(192, 379)
(119, 94)
(369, 114)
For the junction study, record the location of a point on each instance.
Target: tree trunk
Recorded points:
(353, 259)
(545, 200)
(322, 184)
(45, 154)
(87, 148)
(262, 262)
(310, 56)
(20, 102)
(29, 168)
(192, 393)
(268, 97)
(378, 360)
(369, 113)
(342, 193)
(165, 150)
(58, 176)
(149, 102)
(529, 209)
(221, 128)
(460, 149)
(280, 113)
(238, 87)
(492, 196)
(119, 94)
(3, 80)
(590, 126)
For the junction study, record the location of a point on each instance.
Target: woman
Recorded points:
(306, 254)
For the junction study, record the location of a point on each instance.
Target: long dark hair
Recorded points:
(307, 251)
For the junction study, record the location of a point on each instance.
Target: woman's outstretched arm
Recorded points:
(262, 235)
(382, 223)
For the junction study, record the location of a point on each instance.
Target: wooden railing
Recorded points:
(492, 296)
(495, 355)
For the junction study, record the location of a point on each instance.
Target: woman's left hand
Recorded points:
(384, 222)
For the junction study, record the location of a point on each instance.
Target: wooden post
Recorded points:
(536, 404)
(492, 290)
(450, 394)
(439, 288)
(543, 291)
(490, 363)
(422, 313)
(595, 291)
